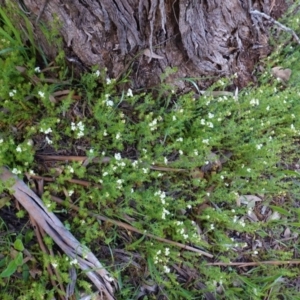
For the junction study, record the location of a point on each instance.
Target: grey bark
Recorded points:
(199, 37)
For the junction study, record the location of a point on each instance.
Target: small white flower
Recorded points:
(71, 170)
(254, 102)
(48, 140)
(248, 170)
(166, 269)
(1, 141)
(259, 146)
(205, 141)
(180, 152)
(108, 80)
(293, 127)
(12, 93)
(202, 122)
(74, 261)
(109, 103)
(164, 213)
(293, 116)
(37, 70)
(31, 172)
(48, 130)
(104, 133)
(54, 265)
(174, 118)
(97, 73)
(70, 193)
(212, 226)
(41, 94)
(185, 236)
(118, 135)
(105, 174)
(268, 107)
(135, 163)
(129, 93)
(145, 170)
(189, 206)
(165, 160)
(16, 171)
(167, 251)
(210, 115)
(118, 156)
(179, 139)
(196, 152)
(19, 149)
(210, 124)
(242, 223)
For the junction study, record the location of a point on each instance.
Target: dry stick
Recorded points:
(43, 248)
(50, 179)
(255, 263)
(39, 235)
(106, 159)
(287, 29)
(131, 228)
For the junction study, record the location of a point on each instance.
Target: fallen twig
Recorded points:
(131, 228)
(106, 159)
(283, 27)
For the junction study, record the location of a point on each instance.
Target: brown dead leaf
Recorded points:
(197, 173)
(282, 74)
(3, 201)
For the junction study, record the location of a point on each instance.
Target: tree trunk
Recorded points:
(198, 37)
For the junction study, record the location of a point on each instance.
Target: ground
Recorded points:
(179, 196)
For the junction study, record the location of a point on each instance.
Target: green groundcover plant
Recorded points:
(180, 167)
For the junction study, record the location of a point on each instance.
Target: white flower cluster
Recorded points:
(181, 230)
(16, 171)
(207, 123)
(153, 123)
(47, 131)
(162, 197)
(120, 183)
(159, 258)
(12, 93)
(108, 101)
(79, 128)
(254, 102)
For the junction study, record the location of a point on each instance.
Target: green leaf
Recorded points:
(19, 259)
(18, 245)
(11, 269)
(280, 210)
(25, 272)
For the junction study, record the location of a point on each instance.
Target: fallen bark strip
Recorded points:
(131, 228)
(61, 236)
(255, 263)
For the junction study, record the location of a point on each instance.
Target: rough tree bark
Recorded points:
(199, 37)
